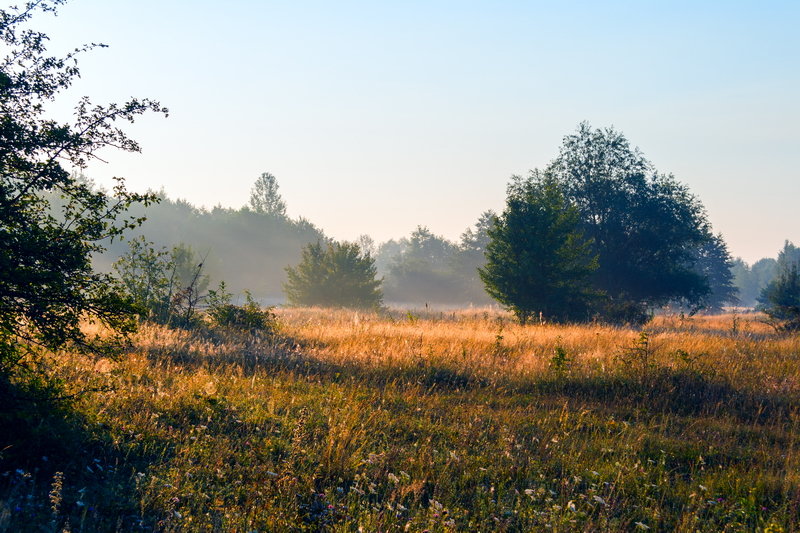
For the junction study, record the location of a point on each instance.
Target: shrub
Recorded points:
(781, 299)
(166, 286)
(337, 275)
(248, 317)
(52, 222)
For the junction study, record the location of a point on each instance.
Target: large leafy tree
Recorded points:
(51, 221)
(538, 259)
(334, 275)
(645, 227)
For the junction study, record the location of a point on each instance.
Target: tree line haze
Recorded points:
(251, 247)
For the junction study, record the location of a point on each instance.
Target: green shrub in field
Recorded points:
(334, 275)
(166, 286)
(781, 299)
(248, 317)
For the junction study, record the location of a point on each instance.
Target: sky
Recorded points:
(376, 117)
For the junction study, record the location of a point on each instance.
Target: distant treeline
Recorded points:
(751, 279)
(247, 249)
(250, 248)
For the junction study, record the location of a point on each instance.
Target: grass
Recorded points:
(412, 422)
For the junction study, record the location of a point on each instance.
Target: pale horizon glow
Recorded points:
(378, 118)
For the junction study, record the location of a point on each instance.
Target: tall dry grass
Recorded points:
(423, 421)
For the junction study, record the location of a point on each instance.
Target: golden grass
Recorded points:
(431, 421)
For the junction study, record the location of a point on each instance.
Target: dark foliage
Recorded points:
(780, 299)
(250, 317)
(538, 259)
(714, 263)
(47, 284)
(645, 227)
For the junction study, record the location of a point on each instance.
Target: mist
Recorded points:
(249, 249)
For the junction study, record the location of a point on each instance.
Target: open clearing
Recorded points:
(437, 421)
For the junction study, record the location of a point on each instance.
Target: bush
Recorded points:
(166, 286)
(249, 317)
(337, 275)
(781, 299)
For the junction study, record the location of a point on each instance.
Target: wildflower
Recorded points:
(55, 492)
(571, 506)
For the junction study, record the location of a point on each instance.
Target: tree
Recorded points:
(645, 227)
(751, 280)
(264, 197)
(47, 284)
(789, 255)
(780, 299)
(714, 263)
(537, 259)
(166, 286)
(422, 270)
(471, 255)
(334, 275)
(475, 241)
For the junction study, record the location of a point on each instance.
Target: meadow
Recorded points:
(416, 421)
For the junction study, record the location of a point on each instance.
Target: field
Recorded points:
(417, 422)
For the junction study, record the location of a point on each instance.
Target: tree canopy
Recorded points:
(714, 263)
(537, 258)
(600, 232)
(47, 284)
(646, 227)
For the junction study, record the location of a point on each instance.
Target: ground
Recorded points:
(412, 422)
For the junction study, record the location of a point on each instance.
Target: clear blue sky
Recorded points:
(377, 117)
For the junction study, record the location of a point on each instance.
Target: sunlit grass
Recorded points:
(430, 421)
